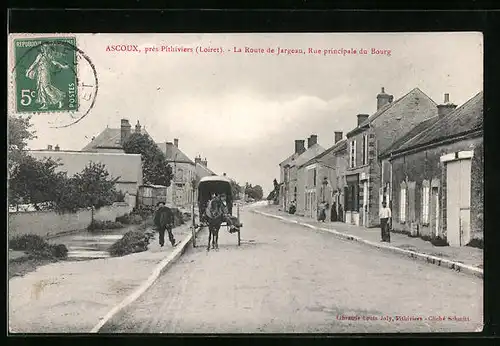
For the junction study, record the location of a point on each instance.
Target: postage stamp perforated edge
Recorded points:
(12, 64)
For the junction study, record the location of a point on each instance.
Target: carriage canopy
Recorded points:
(214, 184)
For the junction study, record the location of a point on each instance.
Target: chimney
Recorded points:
(124, 130)
(56, 148)
(383, 99)
(176, 142)
(49, 147)
(362, 118)
(204, 162)
(299, 146)
(338, 136)
(138, 127)
(197, 160)
(446, 107)
(313, 139)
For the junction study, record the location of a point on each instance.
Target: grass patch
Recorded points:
(477, 243)
(132, 242)
(39, 252)
(97, 225)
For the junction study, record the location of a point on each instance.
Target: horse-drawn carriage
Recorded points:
(207, 188)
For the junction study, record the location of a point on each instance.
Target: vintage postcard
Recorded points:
(245, 183)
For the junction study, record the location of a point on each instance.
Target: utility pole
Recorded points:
(174, 187)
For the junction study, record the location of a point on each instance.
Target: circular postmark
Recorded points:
(53, 77)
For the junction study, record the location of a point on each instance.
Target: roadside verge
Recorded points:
(456, 266)
(159, 269)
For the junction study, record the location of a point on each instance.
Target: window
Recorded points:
(352, 158)
(402, 204)
(425, 202)
(365, 149)
(314, 177)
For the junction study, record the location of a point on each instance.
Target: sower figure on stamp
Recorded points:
(164, 220)
(385, 222)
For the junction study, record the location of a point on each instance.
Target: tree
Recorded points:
(94, 186)
(235, 189)
(35, 181)
(19, 133)
(254, 192)
(155, 169)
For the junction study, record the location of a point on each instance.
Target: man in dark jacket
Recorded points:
(164, 220)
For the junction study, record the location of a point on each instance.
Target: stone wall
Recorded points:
(49, 223)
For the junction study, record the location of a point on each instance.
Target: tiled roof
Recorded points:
(311, 152)
(335, 148)
(203, 171)
(288, 159)
(173, 153)
(108, 138)
(411, 134)
(466, 118)
(414, 93)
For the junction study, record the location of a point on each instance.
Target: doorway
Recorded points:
(435, 210)
(458, 176)
(365, 204)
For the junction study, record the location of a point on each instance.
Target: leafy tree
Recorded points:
(35, 181)
(155, 169)
(254, 192)
(236, 189)
(94, 186)
(19, 133)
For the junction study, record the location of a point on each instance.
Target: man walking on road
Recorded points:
(164, 220)
(385, 222)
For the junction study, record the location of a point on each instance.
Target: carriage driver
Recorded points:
(232, 221)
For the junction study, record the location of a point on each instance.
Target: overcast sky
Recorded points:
(243, 112)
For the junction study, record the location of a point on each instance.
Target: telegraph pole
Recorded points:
(174, 188)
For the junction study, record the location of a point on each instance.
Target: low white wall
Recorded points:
(48, 223)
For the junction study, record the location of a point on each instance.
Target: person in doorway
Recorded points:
(333, 212)
(164, 221)
(322, 211)
(385, 222)
(341, 213)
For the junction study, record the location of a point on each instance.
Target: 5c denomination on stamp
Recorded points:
(45, 75)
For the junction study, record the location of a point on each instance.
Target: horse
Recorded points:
(214, 224)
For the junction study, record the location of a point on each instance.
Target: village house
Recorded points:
(325, 178)
(288, 193)
(111, 140)
(299, 177)
(363, 194)
(126, 167)
(180, 191)
(436, 175)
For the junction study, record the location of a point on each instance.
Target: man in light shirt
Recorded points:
(385, 221)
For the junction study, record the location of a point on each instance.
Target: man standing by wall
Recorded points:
(385, 222)
(164, 220)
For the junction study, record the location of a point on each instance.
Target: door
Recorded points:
(435, 211)
(458, 174)
(365, 203)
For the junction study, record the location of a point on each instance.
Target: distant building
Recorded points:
(325, 175)
(300, 177)
(435, 174)
(112, 139)
(180, 191)
(288, 193)
(126, 167)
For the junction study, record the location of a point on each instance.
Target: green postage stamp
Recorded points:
(45, 75)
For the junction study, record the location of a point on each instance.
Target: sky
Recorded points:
(243, 111)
